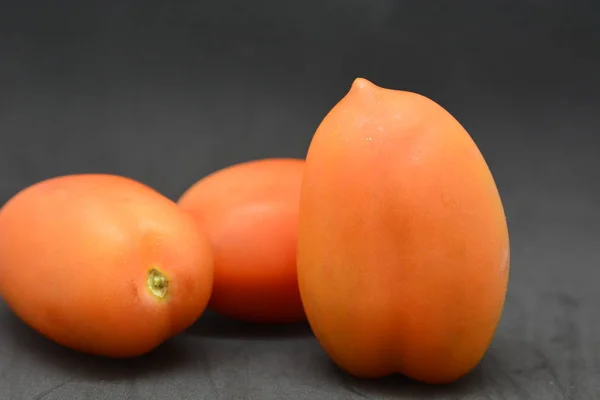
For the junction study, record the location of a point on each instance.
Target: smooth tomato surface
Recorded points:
(250, 214)
(102, 264)
(403, 257)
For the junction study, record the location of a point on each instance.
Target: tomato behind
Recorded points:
(250, 214)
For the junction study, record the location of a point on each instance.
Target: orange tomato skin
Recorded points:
(75, 256)
(250, 213)
(403, 248)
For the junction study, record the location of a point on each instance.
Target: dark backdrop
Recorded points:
(166, 92)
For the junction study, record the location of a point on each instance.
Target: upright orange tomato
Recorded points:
(403, 254)
(250, 214)
(102, 264)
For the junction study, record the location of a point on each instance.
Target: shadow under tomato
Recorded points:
(29, 349)
(215, 325)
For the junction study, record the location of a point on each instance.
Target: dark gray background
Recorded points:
(166, 92)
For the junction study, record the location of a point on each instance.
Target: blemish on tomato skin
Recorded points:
(448, 200)
(134, 290)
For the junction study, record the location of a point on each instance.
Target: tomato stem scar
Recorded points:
(157, 283)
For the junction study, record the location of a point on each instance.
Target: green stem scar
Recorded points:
(157, 283)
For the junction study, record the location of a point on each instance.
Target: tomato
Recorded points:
(403, 250)
(102, 264)
(250, 213)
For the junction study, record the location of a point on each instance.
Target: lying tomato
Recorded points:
(403, 254)
(250, 213)
(102, 264)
